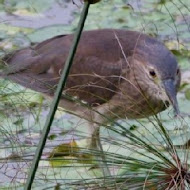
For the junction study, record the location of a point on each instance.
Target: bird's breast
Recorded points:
(132, 101)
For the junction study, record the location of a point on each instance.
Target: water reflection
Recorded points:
(57, 14)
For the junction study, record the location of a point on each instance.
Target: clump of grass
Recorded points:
(151, 161)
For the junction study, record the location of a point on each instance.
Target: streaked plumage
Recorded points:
(119, 73)
(100, 74)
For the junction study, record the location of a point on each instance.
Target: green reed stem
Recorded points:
(57, 97)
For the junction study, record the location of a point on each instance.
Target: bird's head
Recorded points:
(157, 70)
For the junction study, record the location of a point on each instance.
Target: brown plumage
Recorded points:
(120, 73)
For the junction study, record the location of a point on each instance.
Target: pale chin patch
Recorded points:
(163, 97)
(160, 94)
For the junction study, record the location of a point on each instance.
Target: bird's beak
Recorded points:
(171, 92)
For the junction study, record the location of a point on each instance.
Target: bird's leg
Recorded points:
(95, 139)
(94, 119)
(95, 144)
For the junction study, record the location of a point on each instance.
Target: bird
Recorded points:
(116, 74)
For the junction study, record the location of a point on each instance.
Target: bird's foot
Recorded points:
(99, 154)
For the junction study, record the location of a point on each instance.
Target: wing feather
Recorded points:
(95, 74)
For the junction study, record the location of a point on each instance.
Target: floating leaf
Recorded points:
(187, 93)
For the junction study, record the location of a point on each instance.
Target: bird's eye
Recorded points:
(152, 73)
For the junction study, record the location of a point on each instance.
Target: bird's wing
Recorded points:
(96, 81)
(95, 85)
(91, 78)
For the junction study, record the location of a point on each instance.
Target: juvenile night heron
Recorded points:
(117, 73)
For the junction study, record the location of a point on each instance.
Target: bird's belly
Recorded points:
(145, 109)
